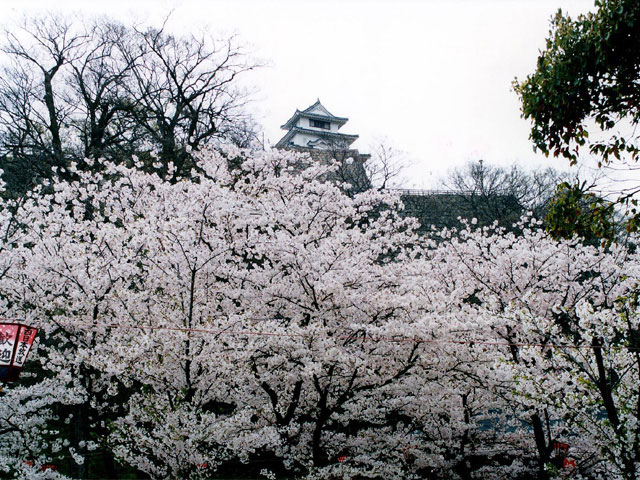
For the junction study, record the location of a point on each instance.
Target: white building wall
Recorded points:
(302, 139)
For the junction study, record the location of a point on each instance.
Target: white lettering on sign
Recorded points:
(25, 340)
(8, 334)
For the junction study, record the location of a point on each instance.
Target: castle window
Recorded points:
(320, 124)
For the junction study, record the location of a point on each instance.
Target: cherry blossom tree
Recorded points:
(566, 314)
(255, 314)
(241, 312)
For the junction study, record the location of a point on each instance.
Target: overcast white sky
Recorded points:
(433, 76)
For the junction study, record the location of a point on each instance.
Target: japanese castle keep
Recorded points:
(315, 130)
(315, 127)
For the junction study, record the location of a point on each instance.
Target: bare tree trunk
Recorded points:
(54, 127)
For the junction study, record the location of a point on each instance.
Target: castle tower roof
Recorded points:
(315, 127)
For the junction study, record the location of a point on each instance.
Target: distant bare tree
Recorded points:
(492, 192)
(245, 133)
(35, 115)
(386, 165)
(71, 90)
(185, 91)
(381, 169)
(98, 90)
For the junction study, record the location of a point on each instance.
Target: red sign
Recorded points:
(561, 449)
(15, 343)
(8, 335)
(25, 339)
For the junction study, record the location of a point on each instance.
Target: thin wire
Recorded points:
(354, 337)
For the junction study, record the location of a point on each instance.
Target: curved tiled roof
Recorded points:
(309, 113)
(348, 139)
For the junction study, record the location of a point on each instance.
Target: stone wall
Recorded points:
(443, 209)
(351, 165)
